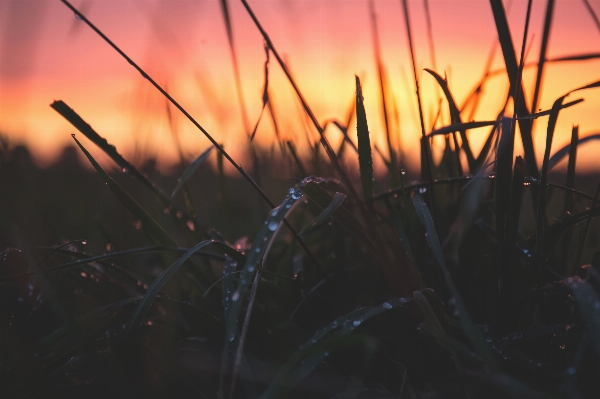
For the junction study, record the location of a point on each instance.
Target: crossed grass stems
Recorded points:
(509, 179)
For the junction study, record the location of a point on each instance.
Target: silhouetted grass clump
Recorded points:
(480, 280)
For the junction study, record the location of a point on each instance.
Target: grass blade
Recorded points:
(189, 171)
(542, 57)
(138, 212)
(460, 309)
(365, 159)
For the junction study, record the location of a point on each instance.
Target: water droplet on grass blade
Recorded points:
(387, 305)
(190, 225)
(356, 323)
(571, 370)
(273, 226)
(73, 135)
(235, 296)
(124, 170)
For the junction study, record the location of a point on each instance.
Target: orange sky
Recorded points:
(46, 54)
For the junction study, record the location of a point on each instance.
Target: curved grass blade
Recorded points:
(147, 221)
(311, 354)
(557, 229)
(265, 95)
(365, 159)
(542, 56)
(460, 309)
(142, 308)
(455, 117)
(255, 255)
(338, 199)
(189, 171)
(563, 152)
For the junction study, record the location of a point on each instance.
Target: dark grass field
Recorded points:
(474, 277)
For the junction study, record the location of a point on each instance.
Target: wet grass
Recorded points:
(489, 288)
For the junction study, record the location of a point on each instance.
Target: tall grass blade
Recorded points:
(542, 56)
(571, 166)
(461, 126)
(460, 309)
(427, 160)
(138, 212)
(512, 69)
(365, 159)
(382, 86)
(236, 69)
(315, 350)
(189, 171)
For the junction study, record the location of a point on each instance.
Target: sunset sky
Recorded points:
(47, 54)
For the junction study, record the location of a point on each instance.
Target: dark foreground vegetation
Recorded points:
(477, 278)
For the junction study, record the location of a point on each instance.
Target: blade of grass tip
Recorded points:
(563, 152)
(365, 159)
(458, 126)
(236, 69)
(460, 309)
(141, 310)
(265, 95)
(455, 118)
(578, 57)
(512, 69)
(586, 232)
(588, 303)
(543, 52)
(592, 13)
(191, 168)
(138, 212)
(330, 153)
(110, 150)
(425, 153)
(382, 87)
(172, 100)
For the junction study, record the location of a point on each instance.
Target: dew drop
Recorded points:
(571, 370)
(422, 190)
(73, 135)
(326, 354)
(296, 195)
(83, 274)
(387, 305)
(488, 339)
(179, 214)
(124, 170)
(84, 242)
(190, 225)
(402, 171)
(257, 250)
(231, 337)
(137, 224)
(356, 323)
(235, 296)
(403, 300)
(273, 226)
(274, 211)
